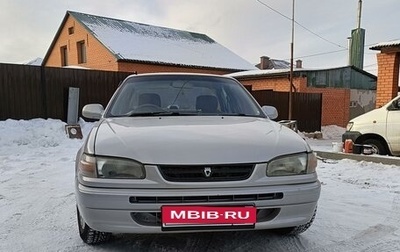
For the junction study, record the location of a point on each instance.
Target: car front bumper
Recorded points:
(353, 135)
(113, 210)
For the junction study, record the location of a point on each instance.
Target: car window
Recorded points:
(182, 95)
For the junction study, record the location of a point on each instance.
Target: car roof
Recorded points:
(181, 74)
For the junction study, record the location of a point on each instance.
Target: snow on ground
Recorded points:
(359, 208)
(331, 134)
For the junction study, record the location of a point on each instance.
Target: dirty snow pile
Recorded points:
(359, 208)
(331, 134)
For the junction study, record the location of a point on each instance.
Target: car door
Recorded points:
(393, 127)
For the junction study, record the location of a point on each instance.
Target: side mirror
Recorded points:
(93, 111)
(270, 111)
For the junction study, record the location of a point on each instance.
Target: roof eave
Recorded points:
(298, 73)
(55, 39)
(394, 44)
(179, 65)
(364, 72)
(264, 76)
(386, 48)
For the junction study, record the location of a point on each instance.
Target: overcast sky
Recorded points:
(246, 27)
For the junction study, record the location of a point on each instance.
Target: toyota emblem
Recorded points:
(207, 172)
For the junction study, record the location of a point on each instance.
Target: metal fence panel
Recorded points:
(20, 92)
(28, 92)
(306, 110)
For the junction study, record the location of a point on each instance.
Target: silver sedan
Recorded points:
(191, 153)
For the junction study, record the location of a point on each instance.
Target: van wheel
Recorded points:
(89, 235)
(298, 229)
(377, 146)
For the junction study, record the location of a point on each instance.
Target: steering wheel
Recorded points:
(145, 108)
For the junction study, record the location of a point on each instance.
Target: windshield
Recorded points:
(182, 95)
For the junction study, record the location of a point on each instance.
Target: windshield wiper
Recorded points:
(154, 113)
(235, 114)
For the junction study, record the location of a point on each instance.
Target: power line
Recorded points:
(302, 26)
(319, 54)
(371, 65)
(324, 53)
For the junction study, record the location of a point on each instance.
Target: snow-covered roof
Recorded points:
(269, 72)
(130, 41)
(35, 62)
(268, 63)
(265, 72)
(385, 44)
(76, 67)
(280, 64)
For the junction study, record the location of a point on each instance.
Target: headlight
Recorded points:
(119, 168)
(107, 167)
(349, 126)
(87, 166)
(292, 165)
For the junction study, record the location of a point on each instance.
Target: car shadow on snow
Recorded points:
(210, 241)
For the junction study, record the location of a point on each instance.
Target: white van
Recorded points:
(379, 128)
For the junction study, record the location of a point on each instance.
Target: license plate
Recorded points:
(208, 216)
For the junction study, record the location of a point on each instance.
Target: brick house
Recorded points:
(103, 43)
(346, 91)
(388, 71)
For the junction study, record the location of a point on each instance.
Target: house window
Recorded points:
(64, 56)
(71, 30)
(81, 52)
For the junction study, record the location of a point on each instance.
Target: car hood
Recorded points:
(196, 140)
(372, 117)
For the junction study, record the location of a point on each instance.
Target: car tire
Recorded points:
(296, 230)
(377, 146)
(89, 235)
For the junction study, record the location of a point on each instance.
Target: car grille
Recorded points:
(205, 199)
(201, 173)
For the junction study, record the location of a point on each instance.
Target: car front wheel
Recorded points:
(377, 146)
(89, 235)
(296, 230)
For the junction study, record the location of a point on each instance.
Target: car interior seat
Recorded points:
(149, 98)
(207, 103)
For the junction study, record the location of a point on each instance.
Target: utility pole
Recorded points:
(291, 67)
(356, 49)
(359, 14)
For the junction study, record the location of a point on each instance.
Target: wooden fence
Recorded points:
(306, 107)
(28, 92)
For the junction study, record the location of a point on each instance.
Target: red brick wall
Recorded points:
(388, 72)
(97, 56)
(335, 101)
(281, 84)
(335, 105)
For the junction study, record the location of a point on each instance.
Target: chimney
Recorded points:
(264, 62)
(299, 64)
